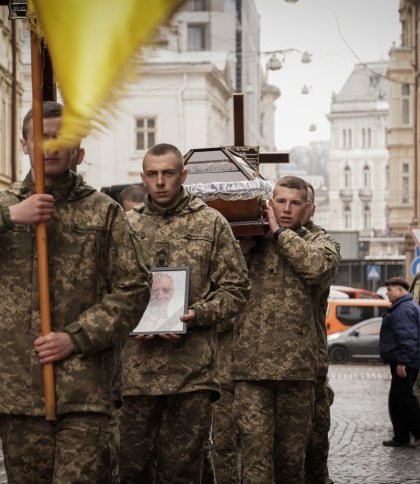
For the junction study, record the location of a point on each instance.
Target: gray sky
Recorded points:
(369, 27)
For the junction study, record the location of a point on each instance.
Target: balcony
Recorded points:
(365, 195)
(346, 195)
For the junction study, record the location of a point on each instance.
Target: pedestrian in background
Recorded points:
(275, 351)
(399, 345)
(99, 288)
(170, 380)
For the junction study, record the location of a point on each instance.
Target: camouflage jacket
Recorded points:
(276, 335)
(320, 294)
(188, 234)
(99, 287)
(225, 348)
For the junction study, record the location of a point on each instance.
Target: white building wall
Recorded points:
(188, 93)
(358, 115)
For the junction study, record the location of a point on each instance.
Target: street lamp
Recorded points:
(274, 63)
(305, 89)
(306, 57)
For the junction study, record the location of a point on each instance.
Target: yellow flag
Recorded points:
(90, 43)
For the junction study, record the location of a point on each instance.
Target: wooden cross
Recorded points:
(239, 135)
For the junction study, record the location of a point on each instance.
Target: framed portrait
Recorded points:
(168, 302)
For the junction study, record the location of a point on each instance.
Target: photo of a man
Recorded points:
(167, 303)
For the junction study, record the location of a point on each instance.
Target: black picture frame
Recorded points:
(168, 301)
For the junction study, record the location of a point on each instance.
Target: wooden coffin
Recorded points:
(226, 181)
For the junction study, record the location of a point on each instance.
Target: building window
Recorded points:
(369, 138)
(347, 177)
(366, 217)
(405, 105)
(363, 138)
(196, 37)
(366, 177)
(347, 218)
(195, 6)
(349, 136)
(387, 177)
(405, 184)
(145, 133)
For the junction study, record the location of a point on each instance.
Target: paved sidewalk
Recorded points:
(360, 423)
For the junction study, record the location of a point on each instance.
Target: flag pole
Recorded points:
(41, 228)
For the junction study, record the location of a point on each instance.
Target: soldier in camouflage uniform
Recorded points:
(275, 352)
(316, 461)
(221, 466)
(169, 380)
(99, 289)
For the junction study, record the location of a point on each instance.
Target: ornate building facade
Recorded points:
(403, 139)
(358, 163)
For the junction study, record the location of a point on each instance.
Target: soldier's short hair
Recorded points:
(164, 148)
(293, 182)
(50, 109)
(312, 190)
(133, 193)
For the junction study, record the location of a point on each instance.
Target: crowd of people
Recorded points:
(241, 396)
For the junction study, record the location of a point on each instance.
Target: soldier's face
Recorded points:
(289, 206)
(163, 176)
(56, 163)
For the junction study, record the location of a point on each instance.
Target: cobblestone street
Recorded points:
(360, 423)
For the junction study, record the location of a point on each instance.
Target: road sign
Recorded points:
(415, 266)
(373, 273)
(415, 232)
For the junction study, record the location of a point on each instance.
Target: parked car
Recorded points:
(357, 292)
(344, 313)
(360, 342)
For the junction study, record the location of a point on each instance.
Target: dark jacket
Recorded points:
(399, 338)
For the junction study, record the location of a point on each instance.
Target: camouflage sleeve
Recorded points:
(225, 325)
(229, 279)
(328, 277)
(311, 258)
(121, 308)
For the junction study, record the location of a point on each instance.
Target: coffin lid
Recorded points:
(221, 173)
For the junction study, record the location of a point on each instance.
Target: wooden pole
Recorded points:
(41, 228)
(238, 119)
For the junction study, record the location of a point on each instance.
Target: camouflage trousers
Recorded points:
(74, 449)
(163, 437)
(223, 449)
(316, 462)
(114, 446)
(274, 421)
